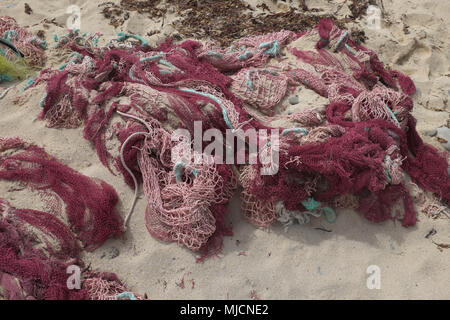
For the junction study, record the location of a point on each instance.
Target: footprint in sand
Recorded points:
(413, 59)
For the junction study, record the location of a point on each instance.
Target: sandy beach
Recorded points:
(319, 260)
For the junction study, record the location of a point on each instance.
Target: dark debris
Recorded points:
(28, 9)
(225, 21)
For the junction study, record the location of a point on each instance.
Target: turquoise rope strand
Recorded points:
(210, 96)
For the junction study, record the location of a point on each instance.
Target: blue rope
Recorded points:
(224, 110)
(388, 161)
(164, 71)
(274, 49)
(303, 131)
(42, 44)
(162, 61)
(63, 66)
(214, 54)
(350, 49)
(168, 64)
(77, 55)
(330, 215)
(177, 171)
(152, 58)
(44, 97)
(5, 77)
(249, 80)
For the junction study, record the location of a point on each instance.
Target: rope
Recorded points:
(177, 170)
(11, 46)
(133, 203)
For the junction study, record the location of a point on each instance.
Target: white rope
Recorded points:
(6, 91)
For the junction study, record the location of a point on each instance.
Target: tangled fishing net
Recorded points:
(351, 152)
(37, 246)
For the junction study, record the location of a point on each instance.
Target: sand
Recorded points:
(304, 262)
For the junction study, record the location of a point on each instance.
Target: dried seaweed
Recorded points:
(223, 20)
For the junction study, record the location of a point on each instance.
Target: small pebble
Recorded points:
(293, 100)
(113, 253)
